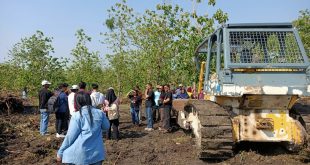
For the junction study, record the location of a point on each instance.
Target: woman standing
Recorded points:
(112, 109)
(135, 100)
(83, 143)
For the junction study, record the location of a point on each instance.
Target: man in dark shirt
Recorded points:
(44, 95)
(149, 103)
(63, 111)
(167, 105)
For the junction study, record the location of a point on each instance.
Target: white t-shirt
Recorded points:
(71, 103)
(96, 98)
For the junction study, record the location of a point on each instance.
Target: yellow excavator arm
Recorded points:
(201, 78)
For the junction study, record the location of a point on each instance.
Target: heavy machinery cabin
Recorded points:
(252, 77)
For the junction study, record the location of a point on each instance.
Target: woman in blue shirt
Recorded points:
(83, 143)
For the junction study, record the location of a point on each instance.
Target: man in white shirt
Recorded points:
(97, 98)
(73, 89)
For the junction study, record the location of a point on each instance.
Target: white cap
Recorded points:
(75, 87)
(44, 82)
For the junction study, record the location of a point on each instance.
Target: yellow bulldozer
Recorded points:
(253, 77)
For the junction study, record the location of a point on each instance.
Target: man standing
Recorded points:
(97, 98)
(156, 107)
(167, 105)
(73, 89)
(149, 103)
(62, 113)
(44, 95)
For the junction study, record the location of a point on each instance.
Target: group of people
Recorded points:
(81, 118)
(158, 105)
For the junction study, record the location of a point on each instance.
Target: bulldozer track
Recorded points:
(216, 140)
(305, 115)
(303, 110)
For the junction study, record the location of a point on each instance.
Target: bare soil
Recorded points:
(21, 143)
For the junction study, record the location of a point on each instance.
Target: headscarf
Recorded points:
(111, 97)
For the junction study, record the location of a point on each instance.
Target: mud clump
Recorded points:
(10, 103)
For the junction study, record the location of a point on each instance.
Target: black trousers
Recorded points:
(61, 122)
(113, 125)
(166, 118)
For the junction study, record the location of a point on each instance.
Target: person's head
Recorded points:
(189, 89)
(159, 88)
(148, 86)
(182, 90)
(137, 87)
(180, 86)
(74, 88)
(83, 99)
(94, 86)
(56, 92)
(82, 85)
(63, 87)
(135, 93)
(111, 97)
(167, 88)
(46, 84)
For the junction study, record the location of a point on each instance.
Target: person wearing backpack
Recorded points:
(112, 111)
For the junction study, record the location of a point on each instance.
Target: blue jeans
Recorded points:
(149, 117)
(44, 121)
(132, 115)
(135, 116)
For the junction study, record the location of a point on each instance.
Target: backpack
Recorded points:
(113, 112)
(53, 104)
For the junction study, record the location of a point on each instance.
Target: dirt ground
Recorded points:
(21, 143)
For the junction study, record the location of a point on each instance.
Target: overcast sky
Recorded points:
(61, 18)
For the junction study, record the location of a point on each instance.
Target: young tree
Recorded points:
(33, 62)
(303, 26)
(86, 64)
(159, 44)
(119, 23)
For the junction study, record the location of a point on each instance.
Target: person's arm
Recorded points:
(129, 93)
(168, 98)
(105, 125)
(72, 134)
(146, 94)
